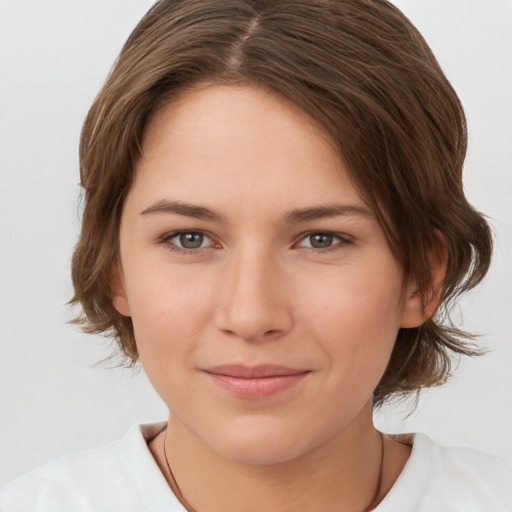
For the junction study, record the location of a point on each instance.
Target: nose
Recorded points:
(254, 299)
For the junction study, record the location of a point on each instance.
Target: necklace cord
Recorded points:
(177, 492)
(174, 485)
(375, 500)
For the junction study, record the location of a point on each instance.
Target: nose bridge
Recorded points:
(253, 303)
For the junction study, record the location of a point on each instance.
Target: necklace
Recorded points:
(176, 490)
(174, 485)
(375, 498)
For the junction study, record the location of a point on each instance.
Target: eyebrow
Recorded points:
(298, 215)
(322, 212)
(185, 209)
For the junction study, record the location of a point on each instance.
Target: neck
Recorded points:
(343, 473)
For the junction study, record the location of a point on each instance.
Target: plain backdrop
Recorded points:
(54, 56)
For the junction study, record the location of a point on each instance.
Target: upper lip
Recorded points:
(254, 372)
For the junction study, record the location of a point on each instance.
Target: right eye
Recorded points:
(188, 240)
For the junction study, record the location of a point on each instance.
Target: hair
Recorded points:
(365, 75)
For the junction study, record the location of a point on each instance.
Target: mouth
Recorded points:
(255, 381)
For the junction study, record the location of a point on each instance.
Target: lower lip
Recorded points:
(256, 387)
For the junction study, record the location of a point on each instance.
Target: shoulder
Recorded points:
(451, 478)
(94, 480)
(57, 484)
(483, 476)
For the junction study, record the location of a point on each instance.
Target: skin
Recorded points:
(260, 290)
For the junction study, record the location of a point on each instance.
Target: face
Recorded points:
(264, 297)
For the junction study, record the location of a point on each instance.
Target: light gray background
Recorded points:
(54, 55)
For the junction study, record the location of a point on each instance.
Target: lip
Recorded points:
(259, 381)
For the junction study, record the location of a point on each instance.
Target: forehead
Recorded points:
(237, 144)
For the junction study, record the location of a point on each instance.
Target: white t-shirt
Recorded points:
(124, 477)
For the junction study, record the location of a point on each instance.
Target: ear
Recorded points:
(418, 309)
(118, 288)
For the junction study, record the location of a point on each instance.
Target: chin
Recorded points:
(265, 444)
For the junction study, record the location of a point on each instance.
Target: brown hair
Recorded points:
(358, 68)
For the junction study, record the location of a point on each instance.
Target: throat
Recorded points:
(329, 478)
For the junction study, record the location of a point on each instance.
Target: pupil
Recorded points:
(321, 241)
(191, 240)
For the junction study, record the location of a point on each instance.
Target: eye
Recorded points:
(188, 240)
(323, 240)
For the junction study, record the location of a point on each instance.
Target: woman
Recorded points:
(274, 222)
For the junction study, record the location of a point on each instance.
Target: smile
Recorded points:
(257, 381)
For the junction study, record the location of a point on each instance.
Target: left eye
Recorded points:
(190, 240)
(321, 240)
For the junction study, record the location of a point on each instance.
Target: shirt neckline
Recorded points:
(153, 489)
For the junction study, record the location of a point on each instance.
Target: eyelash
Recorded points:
(343, 240)
(166, 240)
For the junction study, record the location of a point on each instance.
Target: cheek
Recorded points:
(356, 319)
(168, 313)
